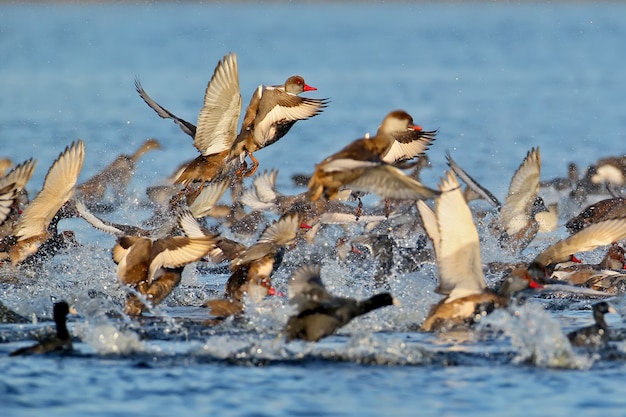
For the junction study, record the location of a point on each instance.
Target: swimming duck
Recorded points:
(596, 335)
(457, 249)
(579, 273)
(319, 313)
(62, 341)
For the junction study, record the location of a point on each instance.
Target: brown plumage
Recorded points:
(153, 267)
(115, 176)
(589, 238)
(217, 122)
(579, 274)
(19, 177)
(252, 269)
(271, 113)
(610, 208)
(360, 166)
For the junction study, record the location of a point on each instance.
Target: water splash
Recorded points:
(105, 338)
(536, 336)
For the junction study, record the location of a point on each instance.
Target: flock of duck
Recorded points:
(150, 258)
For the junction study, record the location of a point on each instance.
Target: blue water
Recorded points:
(495, 79)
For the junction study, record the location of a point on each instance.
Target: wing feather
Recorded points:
(58, 187)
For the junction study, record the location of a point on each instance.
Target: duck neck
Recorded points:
(374, 302)
(62, 332)
(599, 318)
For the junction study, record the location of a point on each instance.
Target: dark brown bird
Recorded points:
(596, 335)
(62, 341)
(320, 314)
(610, 208)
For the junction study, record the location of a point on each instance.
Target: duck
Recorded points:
(610, 282)
(61, 342)
(610, 208)
(457, 251)
(605, 175)
(579, 273)
(598, 234)
(115, 176)
(252, 269)
(360, 166)
(271, 113)
(152, 267)
(523, 212)
(38, 222)
(319, 313)
(597, 335)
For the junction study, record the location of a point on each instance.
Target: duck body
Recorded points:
(320, 314)
(596, 335)
(361, 165)
(318, 320)
(60, 342)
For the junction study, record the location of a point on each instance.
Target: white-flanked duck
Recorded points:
(457, 249)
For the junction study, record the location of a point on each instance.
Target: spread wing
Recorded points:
(58, 187)
(178, 251)
(522, 190)
(472, 183)
(19, 175)
(390, 182)
(279, 107)
(458, 257)
(184, 125)
(219, 116)
(306, 284)
(589, 238)
(7, 197)
(409, 145)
